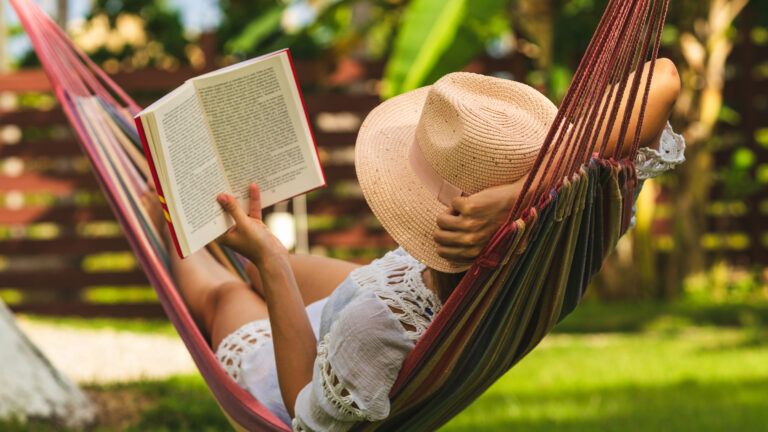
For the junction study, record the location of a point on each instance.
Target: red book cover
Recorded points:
(159, 188)
(306, 114)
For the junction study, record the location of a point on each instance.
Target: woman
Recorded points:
(321, 341)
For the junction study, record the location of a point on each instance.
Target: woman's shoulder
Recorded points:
(395, 270)
(396, 281)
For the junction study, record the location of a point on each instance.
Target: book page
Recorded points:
(195, 176)
(259, 128)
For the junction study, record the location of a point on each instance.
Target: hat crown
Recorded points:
(478, 131)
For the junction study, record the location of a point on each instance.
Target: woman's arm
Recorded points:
(316, 276)
(294, 342)
(471, 221)
(665, 89)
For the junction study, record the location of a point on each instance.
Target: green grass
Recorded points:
(702, 379)
(179, 404)
(182, 403)
(641, 367)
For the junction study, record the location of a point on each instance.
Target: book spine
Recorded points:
(306, 115)
(158, 187)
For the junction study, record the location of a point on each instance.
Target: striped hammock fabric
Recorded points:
(529, 277)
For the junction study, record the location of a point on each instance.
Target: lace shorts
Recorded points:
(240, 343)
(248, 356)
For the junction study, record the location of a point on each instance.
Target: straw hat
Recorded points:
(418, 151)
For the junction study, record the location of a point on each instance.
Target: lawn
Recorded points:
(607, 368)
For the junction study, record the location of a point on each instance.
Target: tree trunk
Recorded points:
(30, 387)
(706, 51)
(61, 13)
(631, 272)
(537, 18)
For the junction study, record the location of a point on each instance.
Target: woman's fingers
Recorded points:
(459, 254)
(450, 222)
(230, 205)
(254, 206)
(451, 238)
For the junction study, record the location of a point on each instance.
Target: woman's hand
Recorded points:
(470, 222)
(293, 340)
(249, 236)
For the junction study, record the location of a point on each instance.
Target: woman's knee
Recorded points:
(216, 298)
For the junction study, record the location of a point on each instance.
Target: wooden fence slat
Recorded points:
(355, 237)
(61, 184)
(334, 139)
(33, 117)
(35, 149)
(59, 279)
(58, 185)
(68, 215)
(337, 207)
(65, 245)
(317, 103)
(308, 73)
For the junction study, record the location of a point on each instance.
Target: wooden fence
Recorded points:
(61, 251)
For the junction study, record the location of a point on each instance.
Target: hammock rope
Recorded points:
(509, 299)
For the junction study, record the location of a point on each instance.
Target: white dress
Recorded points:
(365, 330)
(373, 318)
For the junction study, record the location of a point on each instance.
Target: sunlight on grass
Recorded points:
(640, 367)
(699, 379)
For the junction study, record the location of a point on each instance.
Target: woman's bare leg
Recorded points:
(316, 276)
(219, 301)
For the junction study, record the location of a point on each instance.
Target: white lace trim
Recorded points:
(237, 344)
(296, 425)
(396, 280)
(333, 390)
(651, 162)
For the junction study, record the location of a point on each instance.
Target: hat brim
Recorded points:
(403, 205)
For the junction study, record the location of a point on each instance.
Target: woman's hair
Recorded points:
(445, 282)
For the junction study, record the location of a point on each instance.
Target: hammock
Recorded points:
(508, 300)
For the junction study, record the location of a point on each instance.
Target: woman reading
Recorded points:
(321, 341)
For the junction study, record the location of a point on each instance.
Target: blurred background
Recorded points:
(674, 332)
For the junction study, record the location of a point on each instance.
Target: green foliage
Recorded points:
(428, 30)
(725, 284)
(437, 37)
(574, 24)
(250, 28)
(246, 27)
(738, 178)
(257, 30)
(161, 23)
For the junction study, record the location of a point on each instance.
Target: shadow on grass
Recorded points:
(685, 406)
(177, 404)
(596, 317)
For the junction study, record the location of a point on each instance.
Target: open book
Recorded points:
(222, 131)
